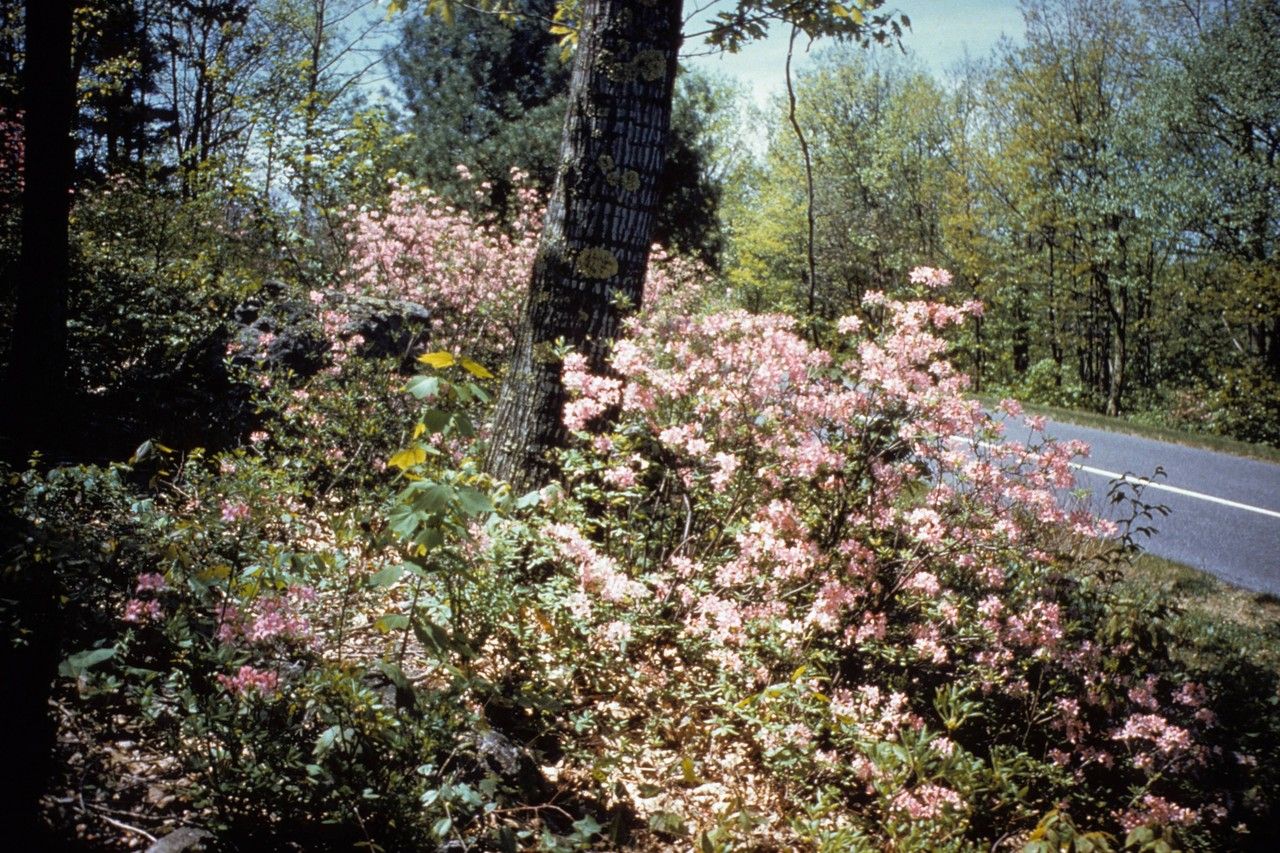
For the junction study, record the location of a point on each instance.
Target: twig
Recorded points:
(84, 809)
(808, 175)
(122, 825)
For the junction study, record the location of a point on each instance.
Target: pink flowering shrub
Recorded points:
(872, 575)
(470, 274)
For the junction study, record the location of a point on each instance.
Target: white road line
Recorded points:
(1143, 481)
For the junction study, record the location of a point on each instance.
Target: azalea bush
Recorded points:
(824, 585)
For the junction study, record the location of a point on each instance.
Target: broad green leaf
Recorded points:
(386, 577)
(474, 501)
(81, 662)
(423, 387)
(529, 499)
(388, 622)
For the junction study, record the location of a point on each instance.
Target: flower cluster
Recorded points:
(770, 501)
(249, 679)
(469, 274)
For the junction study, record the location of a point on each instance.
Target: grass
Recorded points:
(1214, 608)
(1222, 444)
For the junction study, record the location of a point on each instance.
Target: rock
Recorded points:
(180, 840)
(276, 332)
(389, 327)
(513, 763)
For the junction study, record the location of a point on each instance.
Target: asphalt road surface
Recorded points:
(1224, 511)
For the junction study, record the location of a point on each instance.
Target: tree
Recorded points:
(491, 94)
(1218, 106)
(595, 242)
(36, 397)
(38, 355)
(483, 92)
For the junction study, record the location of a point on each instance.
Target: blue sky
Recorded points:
(941, 32)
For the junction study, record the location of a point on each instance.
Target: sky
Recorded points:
(941, 32)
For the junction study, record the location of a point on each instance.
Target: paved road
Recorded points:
(1224, 511)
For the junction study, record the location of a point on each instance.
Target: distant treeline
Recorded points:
(1108, 186)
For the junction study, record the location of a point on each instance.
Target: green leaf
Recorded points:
(529, 499)
(423, 387)
(386, 577)
(473, 501)
(433, 497)
(81, 662)
(396, 676)
(388, 622)
(667, 823)
(325, 742)
(436, 419)
(431, 635)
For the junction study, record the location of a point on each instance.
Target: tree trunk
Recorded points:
(594, 250)
(36, 407)
(38, 360)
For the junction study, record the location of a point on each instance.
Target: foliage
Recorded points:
(491, 91)
(811, 552)
(1101, 185)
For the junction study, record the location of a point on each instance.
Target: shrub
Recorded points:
(825, 585)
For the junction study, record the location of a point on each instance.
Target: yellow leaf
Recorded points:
(406, 459)
(438, 360)
(216, 573)
(476, 369)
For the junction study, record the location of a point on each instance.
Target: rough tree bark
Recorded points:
(594, 249)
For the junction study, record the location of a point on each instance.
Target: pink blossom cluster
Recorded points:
(926, 802)
(471, 274)
(597, 573)
(856, 497)
(1156, 811)
(747, 412)
(930, 277)
(249, 679)
(233, 512)
(140, 609)
(269, 618)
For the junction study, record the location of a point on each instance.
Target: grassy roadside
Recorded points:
(1222, 444)
(1247, 621)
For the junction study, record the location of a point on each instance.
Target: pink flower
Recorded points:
(849, 325)
(234, 511)
(250, 679)
(151, 582)
(139, 611)
(926, 802)
(930, 277)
